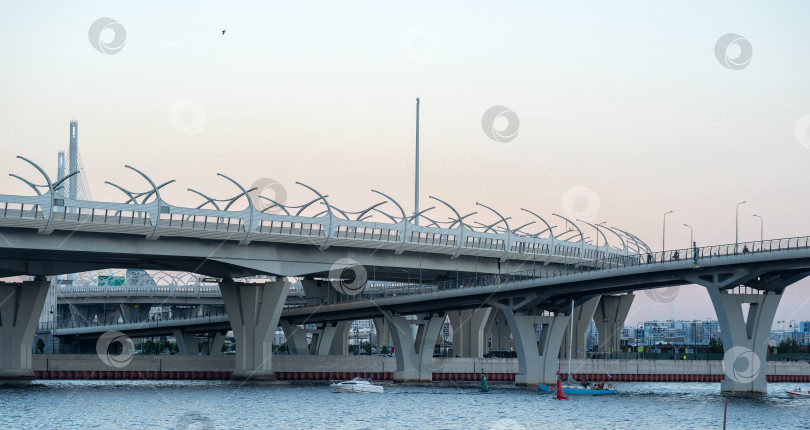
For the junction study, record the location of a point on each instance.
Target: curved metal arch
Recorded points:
(363, 212)
(421, 214)
(391, 217)
(307, 204)
(235, 198)
(492, 226)
(582, 236)
(158, 200)
(637, 240)
(211, 200)
(328, 208)
(524, 225)
(454, 222)
(129, 194)
(251, 209)
(275, 203)
(630, 238)
(404, 219)
(598, 232)
(550, 235)
(27, 182)
(345, 215)
(460, 221)
(624, 244)
(47, 228)
(149, 193)
(58, 184)
(640, 242)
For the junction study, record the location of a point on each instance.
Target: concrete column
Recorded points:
(254, 310)
(414, 356)
(582, 320)
(20, 309)
(383, 332)
(212, 346)
(538, 359)
(745, 340)
(498, 331)
(216, 345)
(331, 339)
(609, 317)
(335, 339)
(296, 338)
(187, 343)
(468, 331)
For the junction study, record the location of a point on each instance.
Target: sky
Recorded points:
(625, 109)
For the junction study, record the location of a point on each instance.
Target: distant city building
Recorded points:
(671, 332)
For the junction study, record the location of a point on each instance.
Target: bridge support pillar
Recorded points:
(187, 343)
(296, 338)
(582, 320)
(334, 339)
(216, 344)
(497, 331)
(745, 339)
(254, 310)
(20, 308)
(414, 356)
(538, 356)
(383, 333)
(610, 315)
(468, 331)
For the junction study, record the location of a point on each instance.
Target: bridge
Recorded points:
(464, 267)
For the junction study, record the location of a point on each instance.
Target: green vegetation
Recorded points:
(716, 345)
(788, 346)
(154, 348)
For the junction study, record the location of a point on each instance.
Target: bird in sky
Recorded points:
(223, 31)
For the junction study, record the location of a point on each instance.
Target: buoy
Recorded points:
(484, 388)
(560, 393)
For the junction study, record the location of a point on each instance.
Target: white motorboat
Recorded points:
(356, 385)
(798, 393)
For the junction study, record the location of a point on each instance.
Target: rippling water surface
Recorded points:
(206, 404)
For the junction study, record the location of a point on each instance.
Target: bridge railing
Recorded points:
(704, 253)
(135, 319)
(613, 262)
(157, 217)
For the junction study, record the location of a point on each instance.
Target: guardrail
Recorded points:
(49, 211)
(696, 255)
(146, 320)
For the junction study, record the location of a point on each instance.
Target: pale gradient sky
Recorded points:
(625, 98)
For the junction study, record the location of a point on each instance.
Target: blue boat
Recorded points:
(577, 390)
(572, 386)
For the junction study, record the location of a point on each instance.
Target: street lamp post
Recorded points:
(691, 234)
(664, 238)
(793, 332)
(761, 231)
(737, 224)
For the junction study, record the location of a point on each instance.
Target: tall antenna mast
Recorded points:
(416, 187)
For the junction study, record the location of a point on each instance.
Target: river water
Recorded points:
(227, 405)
